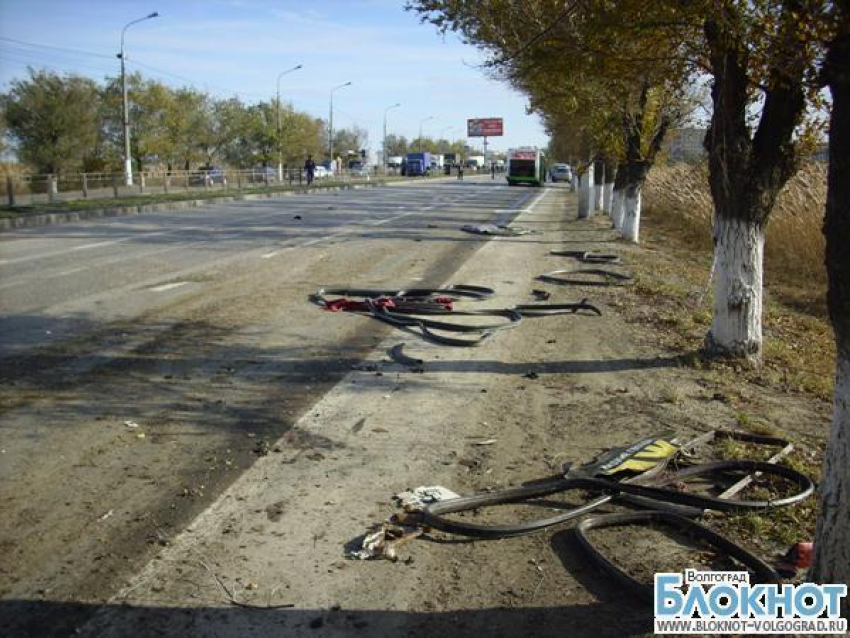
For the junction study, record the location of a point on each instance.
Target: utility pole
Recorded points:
(279, 129)
(128, 162)
(331, 124)
(384, 150)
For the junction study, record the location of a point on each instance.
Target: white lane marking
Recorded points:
(391, 219)
(165, 287)
(72, 271)
(86, 247)
(24, 281)
(269, 255)
(537, 199)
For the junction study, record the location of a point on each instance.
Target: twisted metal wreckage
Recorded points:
(416, 308)
(656, 476)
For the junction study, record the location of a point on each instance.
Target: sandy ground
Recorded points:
(551, 390)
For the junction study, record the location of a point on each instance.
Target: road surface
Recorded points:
(146, 361)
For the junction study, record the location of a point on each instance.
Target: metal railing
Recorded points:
(33, 189)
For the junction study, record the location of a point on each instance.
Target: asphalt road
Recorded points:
(146, 361)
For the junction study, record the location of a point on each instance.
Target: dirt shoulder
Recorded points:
(553, 389)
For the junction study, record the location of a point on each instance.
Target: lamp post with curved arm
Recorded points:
(384, 150)
(331, 123)
(128, 163)
(279, 140)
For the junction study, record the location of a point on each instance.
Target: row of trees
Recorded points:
(58, 124)
(611, 78)
(400, 145)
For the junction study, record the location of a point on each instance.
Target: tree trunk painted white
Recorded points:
(630, 222)
(739, 254)
(617, 210)
(608, 197)
(585, 194)
(832, 550)
(598, 188)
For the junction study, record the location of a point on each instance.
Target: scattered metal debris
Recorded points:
(495, 230)
(586, 277)
(398, 356)
(588, 257)
(415, 309)
(416, 499)
(385, 541)
(637, 474)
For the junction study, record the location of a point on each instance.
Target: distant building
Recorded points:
(685, 144)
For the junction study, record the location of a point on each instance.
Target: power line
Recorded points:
(26, 56)
(225, 89)
(47, 46)
(33, 55)
(29, 59)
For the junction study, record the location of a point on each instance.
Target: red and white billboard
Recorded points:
(484, 127)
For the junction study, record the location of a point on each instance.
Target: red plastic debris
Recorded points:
(799, 556)
(350, 305)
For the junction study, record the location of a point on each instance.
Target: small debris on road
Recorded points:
(416, 499)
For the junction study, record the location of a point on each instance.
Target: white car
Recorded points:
(321, 172)
(561, 173)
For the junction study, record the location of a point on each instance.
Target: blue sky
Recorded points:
(238, 47)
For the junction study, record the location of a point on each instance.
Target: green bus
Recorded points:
(526, 165)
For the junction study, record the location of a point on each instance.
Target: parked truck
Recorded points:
(475, 161)
(437, 161)
(418, 164)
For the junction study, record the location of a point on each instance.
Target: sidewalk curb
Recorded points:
(51, 219)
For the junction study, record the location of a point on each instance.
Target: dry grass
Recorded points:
(794, 247)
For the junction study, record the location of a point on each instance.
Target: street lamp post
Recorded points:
(331, 124)
(279, 140)
(430, 117)
(128, 163)
(384, 150)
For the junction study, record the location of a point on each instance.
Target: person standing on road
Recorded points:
(310, 169)
(492, 170)
(460, 171)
